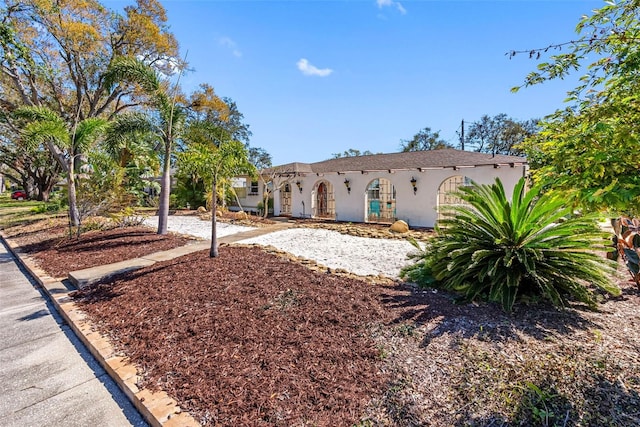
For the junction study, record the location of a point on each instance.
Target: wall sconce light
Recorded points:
(347, 184)
(413, 184)
(299, 184)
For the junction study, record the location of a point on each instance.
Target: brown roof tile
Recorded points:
(399, 161)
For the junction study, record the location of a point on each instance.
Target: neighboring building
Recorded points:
(378, 188)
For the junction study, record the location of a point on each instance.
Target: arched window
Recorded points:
(381, 201)
(448, 187)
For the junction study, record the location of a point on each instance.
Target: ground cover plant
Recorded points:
(418, 358)
(526, 246)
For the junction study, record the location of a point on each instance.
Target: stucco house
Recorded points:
(377, 188)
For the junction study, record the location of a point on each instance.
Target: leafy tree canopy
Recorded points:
(499, 134)
(424, 140)
(351, 152)
(589, 150)
(54, 56)
(55, 53)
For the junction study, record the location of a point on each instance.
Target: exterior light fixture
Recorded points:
(413, 184)
(347, 184)
(299, 184)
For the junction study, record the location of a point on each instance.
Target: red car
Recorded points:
(19, 195)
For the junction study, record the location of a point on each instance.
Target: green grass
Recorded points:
(17, 212)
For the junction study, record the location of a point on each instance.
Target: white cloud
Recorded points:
(391, 3)
(231, 45)
(311, 70)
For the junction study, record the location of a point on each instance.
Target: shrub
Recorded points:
(127, 217)
(44, 207)
(502, 251)
(260, 206)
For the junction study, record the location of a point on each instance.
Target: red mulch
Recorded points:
(61, 254)
(251, 339)
(256, 339)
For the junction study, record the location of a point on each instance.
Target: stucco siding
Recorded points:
(418, 210)
(380, 186)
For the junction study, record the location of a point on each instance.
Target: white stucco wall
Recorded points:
(418, 210)
(250, 201)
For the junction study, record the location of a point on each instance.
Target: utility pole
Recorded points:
(462, 135)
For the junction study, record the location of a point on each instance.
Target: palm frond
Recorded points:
(128, 69)
(87, 132)
(42, 125)
(501, 250)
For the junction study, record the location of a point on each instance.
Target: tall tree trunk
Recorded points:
(74, 214)
(213, 252)
(266, 203)
(235, 194)
(165, 191)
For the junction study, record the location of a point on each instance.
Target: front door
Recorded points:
(285, 200)
(322, 200)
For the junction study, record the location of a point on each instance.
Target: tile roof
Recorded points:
(401, 161)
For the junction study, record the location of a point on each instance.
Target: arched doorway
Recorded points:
(381, 201)
(285, 200)
(448, 187)
(324, 204)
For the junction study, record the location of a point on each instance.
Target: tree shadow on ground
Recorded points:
(94, 243)
(441, 315)
(103, 290)
(540, 404)
(59, 231)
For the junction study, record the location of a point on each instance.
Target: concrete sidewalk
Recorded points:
(48, 377)
(89, 276)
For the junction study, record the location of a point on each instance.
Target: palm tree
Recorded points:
(166, 124)
(130, 147)
(213, 156)
(44, 126)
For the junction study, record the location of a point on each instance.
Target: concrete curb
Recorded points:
(157, 408)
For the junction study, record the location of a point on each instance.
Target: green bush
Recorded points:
(127, 217)
(44, 207)
(190, 193)
(502, 251)
(260, 206)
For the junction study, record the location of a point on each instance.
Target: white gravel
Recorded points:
(196, 227)
(358, 255)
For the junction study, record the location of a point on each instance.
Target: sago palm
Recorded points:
(499, 250)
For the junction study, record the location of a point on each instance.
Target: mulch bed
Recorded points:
(255, 338)
(251, 338)
(58, 254)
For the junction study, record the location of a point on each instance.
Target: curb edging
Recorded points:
(157, 408)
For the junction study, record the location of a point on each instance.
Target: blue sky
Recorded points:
(314, 77)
